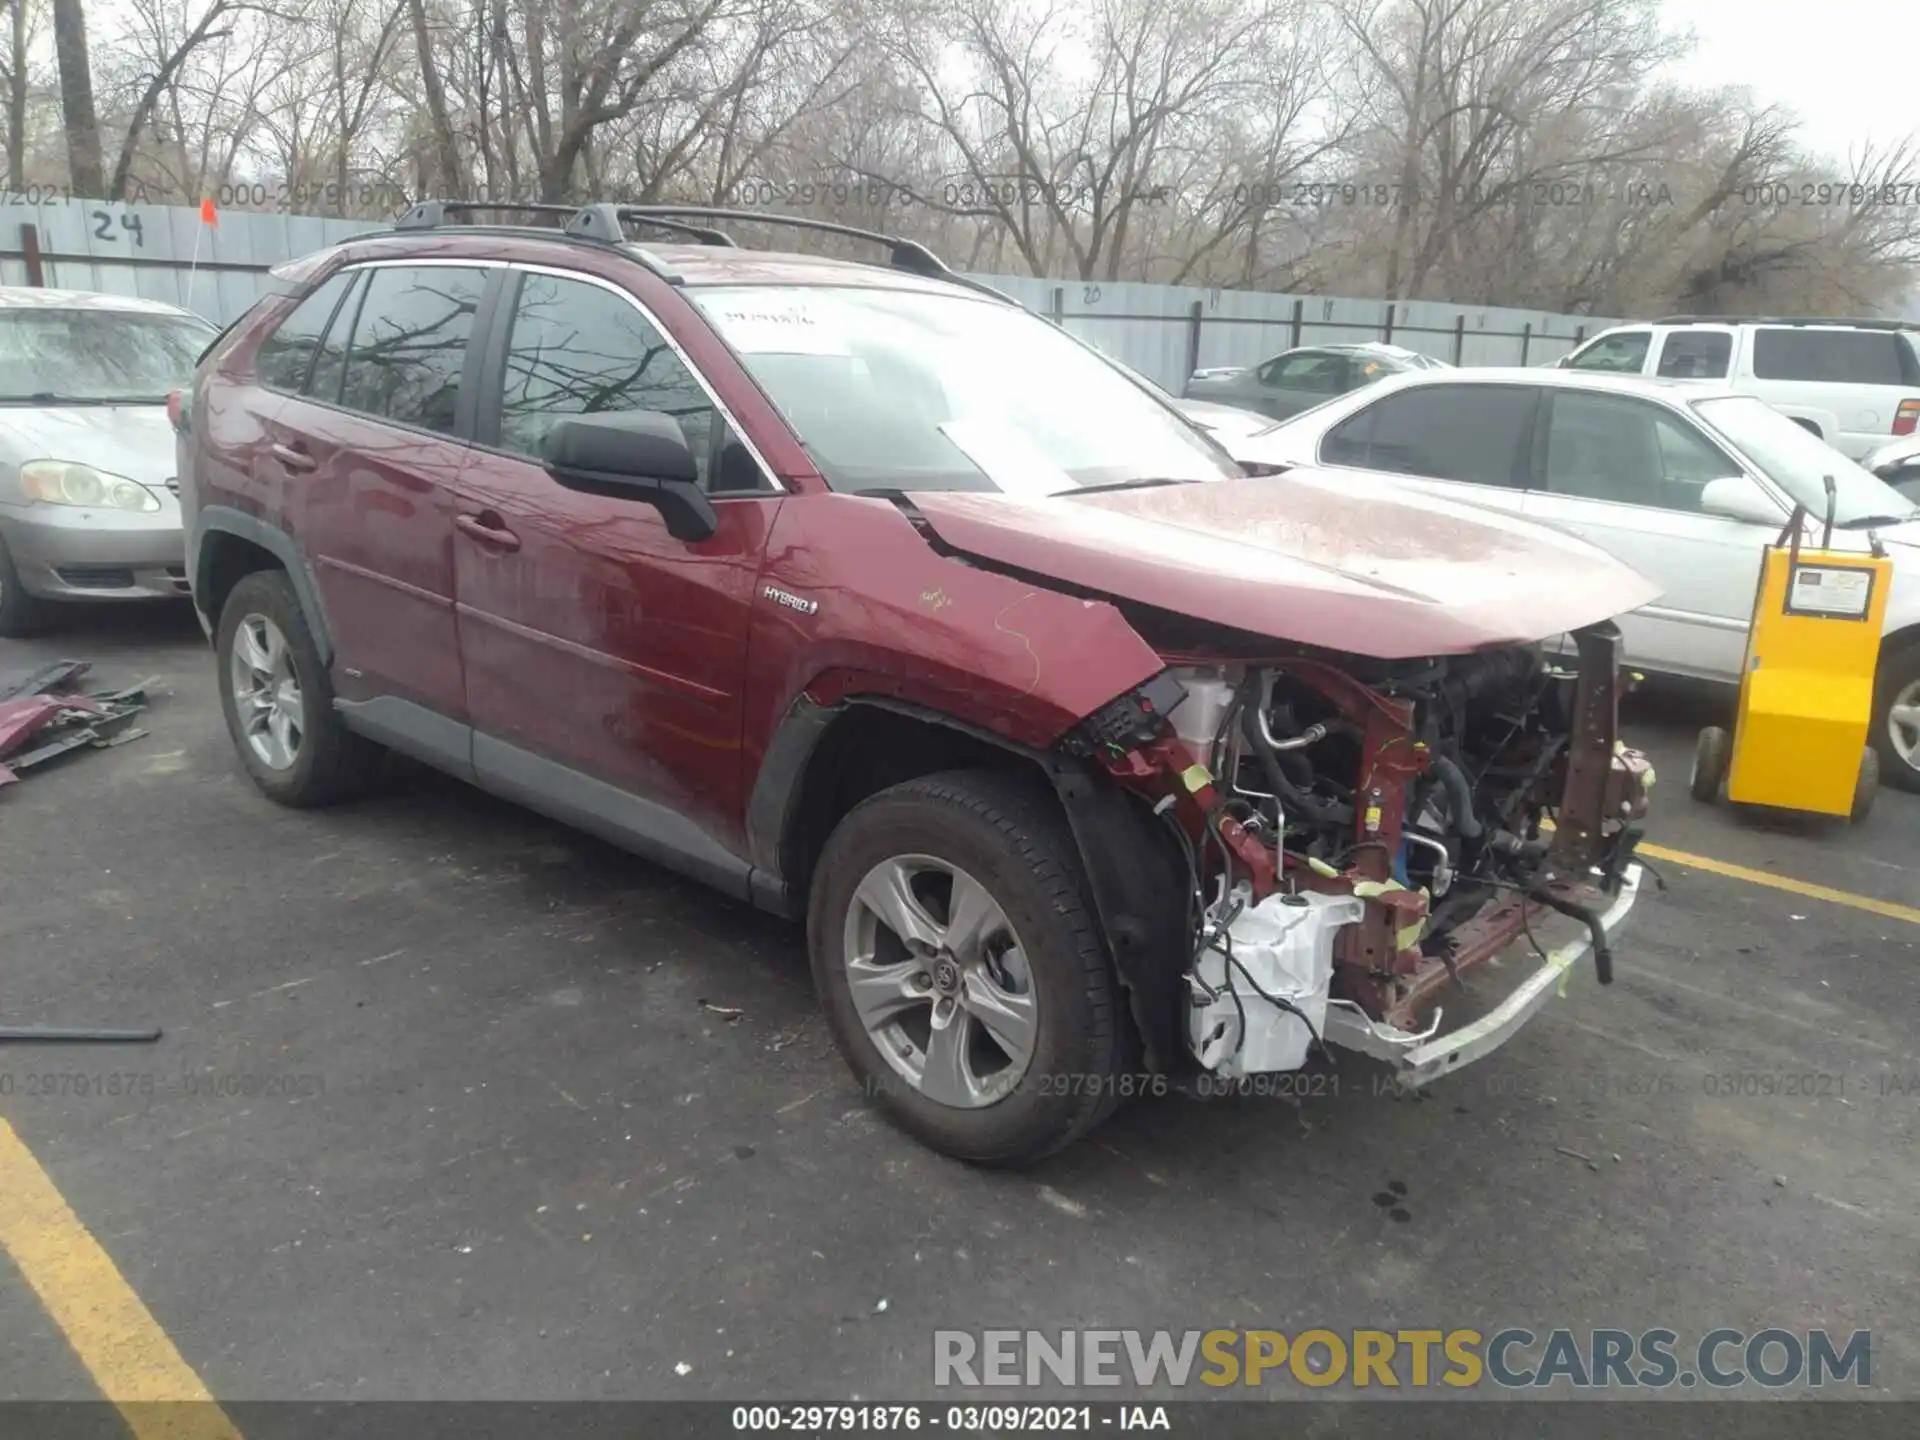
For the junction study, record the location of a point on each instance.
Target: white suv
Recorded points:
(1854, 383)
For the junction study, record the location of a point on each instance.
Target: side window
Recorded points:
(410, 344)
(577, 349)
(1315, 374)
(1609, 447)
(1626, 352)
(1853, 357)
(1696, 354)
(285, 356)
(330, 360)
(1471, 433)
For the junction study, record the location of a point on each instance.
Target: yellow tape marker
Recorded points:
(123, 1347)
(1196, 777)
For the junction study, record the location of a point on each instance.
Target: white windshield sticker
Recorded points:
(1007, 457)
(773, 327)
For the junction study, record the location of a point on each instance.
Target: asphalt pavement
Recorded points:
(455, 1102)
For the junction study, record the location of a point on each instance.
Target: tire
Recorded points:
(1899, 682)
(1012, 843)
(1868, 785)
(1712, 754)
(21, 614)
(325, 761)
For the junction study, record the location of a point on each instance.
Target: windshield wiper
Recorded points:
(1126, 485)
(1868, 521)
(51, 397)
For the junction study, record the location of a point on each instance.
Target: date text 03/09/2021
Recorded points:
(955, 1419)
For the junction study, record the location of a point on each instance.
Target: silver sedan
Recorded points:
(87, 503)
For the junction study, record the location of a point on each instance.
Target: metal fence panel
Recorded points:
(165, 252)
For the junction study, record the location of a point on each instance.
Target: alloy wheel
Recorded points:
(1903, 724)
(940, 981)
(266, 693)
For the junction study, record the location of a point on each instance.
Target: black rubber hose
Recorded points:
(1308, 805)
(1454, 781)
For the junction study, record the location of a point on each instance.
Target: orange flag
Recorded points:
(208, 215)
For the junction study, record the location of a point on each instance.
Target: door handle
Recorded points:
(488, 530)
(293, 458)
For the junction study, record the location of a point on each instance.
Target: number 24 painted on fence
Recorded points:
(129, 225)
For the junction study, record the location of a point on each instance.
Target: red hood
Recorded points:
(1340, 562)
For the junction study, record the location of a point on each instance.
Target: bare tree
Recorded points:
(76, 98)
(15, 77)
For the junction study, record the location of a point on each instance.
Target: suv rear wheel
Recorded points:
(278, 701)
(962, 971)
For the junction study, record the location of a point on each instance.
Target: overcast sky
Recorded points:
(1844, 65)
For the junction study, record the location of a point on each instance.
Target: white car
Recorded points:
(1854, 383)
(1685, 482)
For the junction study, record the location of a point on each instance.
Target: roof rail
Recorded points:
(605, 223)
(1839, 320)
(903, 254)
(431, 214)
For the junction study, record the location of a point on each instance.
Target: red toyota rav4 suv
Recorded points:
(867, 596)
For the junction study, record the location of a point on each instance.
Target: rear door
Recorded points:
(1699, 352)
(372, 446)
(1849, 382)
(604, 658)
(1463, 440)
(1627, 474)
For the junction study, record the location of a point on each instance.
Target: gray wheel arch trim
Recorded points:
(225, 520)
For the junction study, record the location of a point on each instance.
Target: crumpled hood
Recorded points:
(1340, 562)
(131, 440)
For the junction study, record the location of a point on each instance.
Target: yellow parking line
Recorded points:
(1792, 886)
(116, 1337)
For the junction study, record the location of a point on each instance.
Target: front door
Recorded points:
(604, 658)
(1627, 474)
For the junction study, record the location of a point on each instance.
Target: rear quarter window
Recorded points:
(1847, 357)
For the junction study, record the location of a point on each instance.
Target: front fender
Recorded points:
(892, 617)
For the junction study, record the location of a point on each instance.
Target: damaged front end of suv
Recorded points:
(1359, 836)
(1355, 782)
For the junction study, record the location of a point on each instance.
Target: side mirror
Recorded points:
(637, 455)
(1737, 497)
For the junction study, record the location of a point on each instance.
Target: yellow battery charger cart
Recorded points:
(1806, 691)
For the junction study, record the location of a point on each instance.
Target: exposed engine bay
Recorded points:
(1358, 834)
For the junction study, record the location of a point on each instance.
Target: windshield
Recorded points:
(897, 390)
(1798, 461)
(96, 356)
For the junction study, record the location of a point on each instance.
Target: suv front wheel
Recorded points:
(278, 701)
(961, 968)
